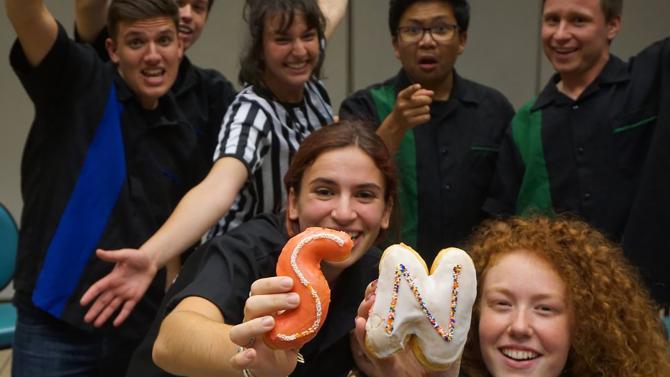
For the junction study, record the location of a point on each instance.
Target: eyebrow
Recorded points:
(507, 292)
(327, 181)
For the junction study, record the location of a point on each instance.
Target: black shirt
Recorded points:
(98, 171)
(447, 164)
(586, 156)
(222, 271)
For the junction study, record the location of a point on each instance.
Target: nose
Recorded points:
(520, 326)
(299, 48)
(343, 211)
(562, 31)
(152, 55)
(186, 13)
(426, 39)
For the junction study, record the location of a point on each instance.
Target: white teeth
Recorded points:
(519, 355)
(353, 235)
(296, 65)
(152, 72)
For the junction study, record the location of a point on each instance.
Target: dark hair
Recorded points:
(398, 7)
(209, 5)
(610, 8)
(340, 135)
(255, 13)
(137, 10)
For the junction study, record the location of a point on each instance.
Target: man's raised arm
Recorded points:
(35, 27)
(90, 18)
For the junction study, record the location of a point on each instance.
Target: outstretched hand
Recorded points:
(267, 297)
(122, 288)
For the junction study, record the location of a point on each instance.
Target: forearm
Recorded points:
(35, 27)
(190, 344)
(90, 18)
(197, 211)
(391, 133)
(333, 11)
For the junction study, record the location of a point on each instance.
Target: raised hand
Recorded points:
(412, 107)
(122, 288)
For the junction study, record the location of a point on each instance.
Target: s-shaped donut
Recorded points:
(300, 259)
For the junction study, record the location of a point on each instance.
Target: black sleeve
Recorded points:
(67, 70)
(359, 106)
(223, 269)
(98, 44)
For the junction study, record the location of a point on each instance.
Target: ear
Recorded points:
(613, 27)
(462, 41)
(292, 210)
(386, 217)
(111, 50)
(180, 46)
(396, 50)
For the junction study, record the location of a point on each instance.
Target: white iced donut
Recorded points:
(430, 312)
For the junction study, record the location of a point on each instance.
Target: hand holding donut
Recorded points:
(301, 259)
(267, 297)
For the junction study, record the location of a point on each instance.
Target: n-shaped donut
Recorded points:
(300, 259)
(430, 312)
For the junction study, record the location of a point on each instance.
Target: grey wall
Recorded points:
(502, 51)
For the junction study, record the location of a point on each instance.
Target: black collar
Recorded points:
(614, 72)
(461, 90)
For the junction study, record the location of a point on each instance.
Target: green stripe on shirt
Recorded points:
(384, 98)
(534, 194)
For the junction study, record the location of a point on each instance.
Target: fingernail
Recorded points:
(293, 299)
(267, 321)
(286, 282)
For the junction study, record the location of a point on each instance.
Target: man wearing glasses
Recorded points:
(445, 130)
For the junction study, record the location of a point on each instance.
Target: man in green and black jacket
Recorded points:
(581, 146)
(445, 130)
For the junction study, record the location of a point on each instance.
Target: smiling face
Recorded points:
(428, 62)
(576, 37)
(147, 55)
(524, 324)
(290, 56)
(344, 190)
(192, 18)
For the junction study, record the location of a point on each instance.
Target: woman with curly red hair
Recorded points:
(555, 298)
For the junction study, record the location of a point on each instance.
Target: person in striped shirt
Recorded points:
(282, 102)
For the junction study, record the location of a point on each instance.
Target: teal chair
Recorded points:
(9, 237)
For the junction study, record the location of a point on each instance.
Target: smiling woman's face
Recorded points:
(525, 317)
(343, 189)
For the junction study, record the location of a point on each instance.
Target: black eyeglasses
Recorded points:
(439, 33)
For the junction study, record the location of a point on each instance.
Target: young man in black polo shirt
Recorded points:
(444, 129)
(203, 95)
(107, 158)
(580, 147)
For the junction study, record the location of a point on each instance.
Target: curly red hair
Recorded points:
(617, 331)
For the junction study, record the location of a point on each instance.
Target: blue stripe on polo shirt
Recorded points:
(86, 214)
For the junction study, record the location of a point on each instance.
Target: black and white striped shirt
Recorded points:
(264, 134)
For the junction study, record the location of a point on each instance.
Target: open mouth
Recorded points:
(298, 66)
(354, 235)
(154, 76)
(185, 30)
(428, 63)
(519, 355)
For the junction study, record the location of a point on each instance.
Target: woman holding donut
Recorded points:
(221, 306)
(555, 298)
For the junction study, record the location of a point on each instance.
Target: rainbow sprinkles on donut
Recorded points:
(430, 312)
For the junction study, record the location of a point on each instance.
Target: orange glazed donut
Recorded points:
(300, 259)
